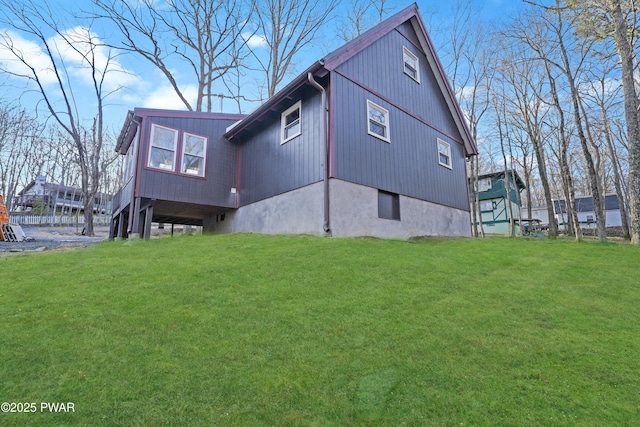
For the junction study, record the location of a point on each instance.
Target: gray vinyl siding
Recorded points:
(380, 67)
(220, 170)
(406, 29)
(408, 165)
(269, 168)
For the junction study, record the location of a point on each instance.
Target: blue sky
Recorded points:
(146, 87)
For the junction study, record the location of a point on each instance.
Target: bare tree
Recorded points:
(287, 26)
(617, 20)
(525, 84)
(206, 35)
(538, 40)
(56, 86)
(557, 30)
(361, 15)
(469, 60)
(605, 101)
(19, 137)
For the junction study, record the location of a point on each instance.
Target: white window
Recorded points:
(444, 153)
(194, 149)
(411, 64)
(291, 122)
(484, 185)
(486, 206)
(377, 121)
(162, 150)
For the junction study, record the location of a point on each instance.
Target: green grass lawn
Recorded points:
(257, 330)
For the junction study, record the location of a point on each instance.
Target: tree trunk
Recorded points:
(477, 172)
(592, 173)
(617, 180)
(626, 54)
(542, 170)
(474, 196)
(572, 215)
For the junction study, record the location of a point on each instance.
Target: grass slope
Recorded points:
(288, 330)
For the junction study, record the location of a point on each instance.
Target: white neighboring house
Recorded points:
(586, 213)
(66, 199)
(539, 213)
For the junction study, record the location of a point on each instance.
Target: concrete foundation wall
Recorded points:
(298, 211)
(354, 212)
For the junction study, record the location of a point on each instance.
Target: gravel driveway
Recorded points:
(47, 238)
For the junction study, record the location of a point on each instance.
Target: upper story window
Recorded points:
(173, 150)
(194, 148)
(484, 184)
(291, 122)
(377, 121)
(162, 149)
(411, 64)
(444, 154)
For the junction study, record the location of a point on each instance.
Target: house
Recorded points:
(367, 141)
(496, 191)
(586, 213)
(66, 200)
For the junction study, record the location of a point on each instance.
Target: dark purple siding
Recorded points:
(268, 168)
(380, 67)
(408, 32)
(220, 175)
(418, 115)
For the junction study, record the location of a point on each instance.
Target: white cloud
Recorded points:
(164, 97)
(12, 46)
(89, 52)
(74, 51)
(254, 40)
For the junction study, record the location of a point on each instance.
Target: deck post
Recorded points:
(135, 227)
(148, 216)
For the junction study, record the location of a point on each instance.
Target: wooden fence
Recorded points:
(56, 220)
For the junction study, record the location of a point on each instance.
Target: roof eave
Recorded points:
(127, 133)
(427, 45)
(274, 101)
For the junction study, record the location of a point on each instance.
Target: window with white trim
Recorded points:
(411, 64)
(444, 154)
(194, 150)
(162, 149)
(486, 206)
(377, 121)
(484, 184)
(291, 122)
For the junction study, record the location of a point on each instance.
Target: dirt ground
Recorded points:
(48, 238)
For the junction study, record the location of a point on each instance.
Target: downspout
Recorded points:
(326, 226)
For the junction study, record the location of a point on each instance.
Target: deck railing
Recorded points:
(56, 220)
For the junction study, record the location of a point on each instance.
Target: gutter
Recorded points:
(325, 109)
(272, 103)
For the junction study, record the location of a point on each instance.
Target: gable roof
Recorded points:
(339, 56)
